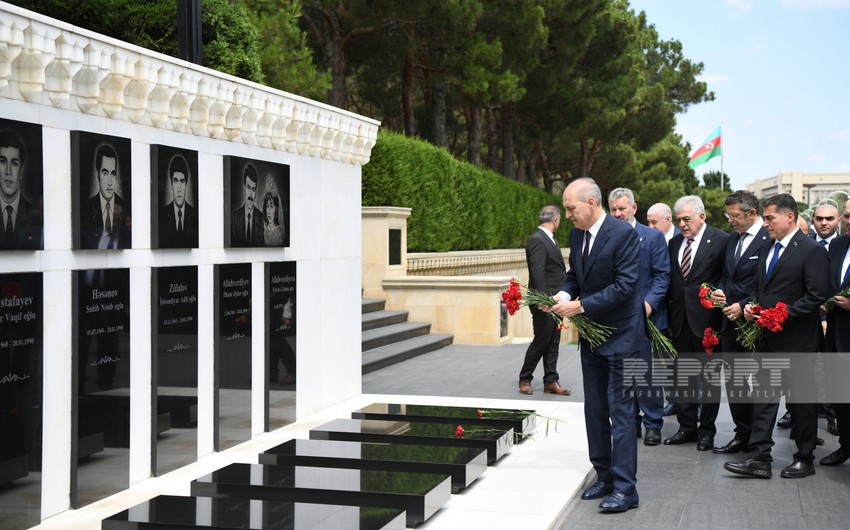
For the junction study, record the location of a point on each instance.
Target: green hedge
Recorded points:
(455, 205)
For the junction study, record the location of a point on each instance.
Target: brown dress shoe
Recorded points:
(556, 388)
(525, 388)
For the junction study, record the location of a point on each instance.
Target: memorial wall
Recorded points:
(179, 262)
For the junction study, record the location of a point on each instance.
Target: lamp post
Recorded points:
(809, 187)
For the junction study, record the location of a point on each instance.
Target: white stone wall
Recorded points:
(66, 78)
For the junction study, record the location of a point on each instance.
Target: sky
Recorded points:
(780, 72)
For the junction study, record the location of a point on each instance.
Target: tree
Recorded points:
(285, 55)
(713, 179)
(231, 41)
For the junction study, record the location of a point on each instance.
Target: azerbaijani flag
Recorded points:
(709, 149)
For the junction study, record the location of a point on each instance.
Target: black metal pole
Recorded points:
(189, 43)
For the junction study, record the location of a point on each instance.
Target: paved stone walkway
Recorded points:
(679, 487)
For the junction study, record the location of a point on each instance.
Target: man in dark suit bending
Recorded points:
(546, 273)
(603, 284)
(793, 269)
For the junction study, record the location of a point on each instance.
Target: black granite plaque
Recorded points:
(523, 422)
(233, 354)
(175, 341)
(281, 325)
(21, 187)
(174, 194)
(256, 203)
(462, 463)
(100, 191)
(496, 440)
(21, 375)
(420, 494)
(102, 303)
(167, 512)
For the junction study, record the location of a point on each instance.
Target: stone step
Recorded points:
(367, 305)
(375, 338)
(387, 355)
(377, 319)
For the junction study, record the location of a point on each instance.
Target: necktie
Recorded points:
(9, 227)
(108, 224)
(179, 221)
(740, 249)
(685, 265)
(824, 243)
(846, 276)
(776, 248)
(586, 249)
(249, 228)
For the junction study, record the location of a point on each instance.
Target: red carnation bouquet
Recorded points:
(772, 318)
(519, 295)
(705, 291)
(709, 340)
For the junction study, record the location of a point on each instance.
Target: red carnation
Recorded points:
(459, 432)
(480, 414)
(709, 340)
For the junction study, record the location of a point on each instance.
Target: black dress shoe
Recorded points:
(681, 438)
(597, 491)
(785, 421)
(652, 437)
(838, 457)
(832, 426)
(619, 502)
(749, 468)
(705, 443)
(670, 409)
(735, 446)
(798, 470)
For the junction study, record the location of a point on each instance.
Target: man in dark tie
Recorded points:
(739, 269)
(22, 223)
(106, 216)
(837, 361)
(546, 273)
(794, 270)
(178, 221)
(603, 283)
(246, 222)
(696, 257)
(655, 280)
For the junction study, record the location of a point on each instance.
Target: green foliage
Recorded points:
(286, 57)
(711, 179)
(455, 205)
(231, 41)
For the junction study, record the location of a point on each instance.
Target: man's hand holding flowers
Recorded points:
(732, 312)
(564, 309)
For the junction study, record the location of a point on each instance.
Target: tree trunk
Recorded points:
(508, 140)
(474, 132)
(492, 140)
(407, 85)
(438, 113)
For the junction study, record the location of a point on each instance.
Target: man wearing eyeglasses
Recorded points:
(743, 212)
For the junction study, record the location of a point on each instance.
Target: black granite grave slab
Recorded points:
(170, 512)
(497, 441)
(523, 422)
(420, 494)
(462, 463)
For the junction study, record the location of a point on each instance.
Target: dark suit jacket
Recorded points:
(29, 228)
(609, 286)
(838, 320)
(683, 296)
(91, 222)
(800, 279)
(168, 236)
(739, 279)
(655, 272)
(237, 228)
(546, 268)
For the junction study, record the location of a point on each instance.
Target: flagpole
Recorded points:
(721, 157)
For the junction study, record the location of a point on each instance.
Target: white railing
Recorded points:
(52, 63)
